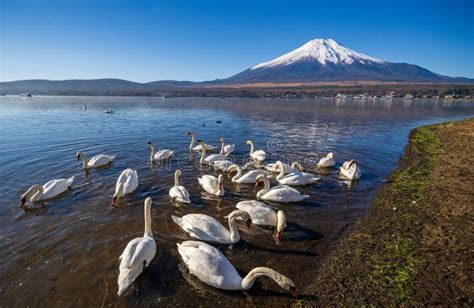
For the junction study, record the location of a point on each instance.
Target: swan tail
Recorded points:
(69, 181)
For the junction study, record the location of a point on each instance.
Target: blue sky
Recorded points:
(204, 40)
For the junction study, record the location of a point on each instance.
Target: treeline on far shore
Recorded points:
(357, 91)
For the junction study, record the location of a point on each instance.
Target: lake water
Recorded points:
(65, 252)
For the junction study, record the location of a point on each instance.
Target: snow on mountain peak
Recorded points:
(321, 50)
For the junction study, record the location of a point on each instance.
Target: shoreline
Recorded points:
(414, 246)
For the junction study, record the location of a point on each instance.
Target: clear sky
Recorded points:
(204, 40)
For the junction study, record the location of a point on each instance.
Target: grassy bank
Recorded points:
(415, 244)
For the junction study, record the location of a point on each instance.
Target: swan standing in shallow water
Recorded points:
(212, 185)
(210, 266)
(296, 178)
(160, 155)
(137, 255)
(350, 170)
(47, 191)
(258, 155)
(126, 183)
(96, 161)
(263, 215)
(199, 147)
(226, 149)
(248, 178)
(211, 158)
(279, 193)
(178, 192)
(327, 161)
(206, 228)
(295, 167)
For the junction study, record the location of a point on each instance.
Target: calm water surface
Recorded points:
(65, 252)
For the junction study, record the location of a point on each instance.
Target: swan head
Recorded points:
(28, 194)
(151, 143)
(117, 194)
(330, 155)
(231, 169)
(281, 224)
(222, 140)
(297, 165)
(148, 203)
(201, 142)
(286, 284)
(248, 142)
(78, 155)
(220, 180)
(242, 216)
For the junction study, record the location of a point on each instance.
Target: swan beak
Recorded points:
(293, 292)
(114, 201)
(278, 236)
(248, 223)
(22, 202)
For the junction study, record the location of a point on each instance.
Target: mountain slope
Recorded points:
(322, 60)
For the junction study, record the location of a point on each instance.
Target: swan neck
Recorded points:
(238, 175)
(176, 179)
(203, 153)
(266, 187)
(282, 171)
(85, 160)
(36, 192)
(152, 155)
(193, 140)
(222, 147)
(147, 217)
(251, 147)
(249, 280)
(234, 233)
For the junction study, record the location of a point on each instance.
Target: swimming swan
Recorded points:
(258, 155)
(206, 228)
(226, 149)
(295, 178)
(211, 158)
(212, 185)
(295, 167)
(137, 255)
(160, 155)
(210, 266)
(350, 170)
(248, 178)
(47, 191)
(126, 183)
(96, 161)
(178, 192)
(198, 148)
(327, 161)
(263, 215)
(279, 193)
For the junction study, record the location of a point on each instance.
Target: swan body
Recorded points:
(350, 170)
(199, 147)
(226, 148)
(161, 154)
(206, 228)
(178, 192)
(295, 167)
(126, 183)
(248, 178)
(137, 255)
(327, 161)
(212, 185)
(295, 178)
(209, 160)
(222, 165)
(47, 191)
(96, 161)
(258, 155)
(263, 215)
(281, 193)
(210, 266)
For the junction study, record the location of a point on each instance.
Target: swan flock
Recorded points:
(205, 262)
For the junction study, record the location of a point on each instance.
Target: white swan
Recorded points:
(350, 170)
(258, 155)
(137, 255)
(198, 148)
(327, 161)
(178, 192)
(279, 193)
(295, 167)
(126, 183)
(226, 149)
(160, 155)
(222, 165)
(96, 161)
(206, 228)
(263, 215)
(295, 178)
(47, 191)
(248, 178)
(212, 185)
(210, 266)
(211, 158)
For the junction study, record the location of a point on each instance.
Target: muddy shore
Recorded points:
(415, 246)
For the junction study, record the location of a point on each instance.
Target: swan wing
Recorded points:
(56, 187)
(100, 160)
(209, 265)
(229, 148)
(260, 213)
(163, 154)
(131, 183)
(284, 193)
(179, 193)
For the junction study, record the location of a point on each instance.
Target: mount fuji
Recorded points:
(325, 60)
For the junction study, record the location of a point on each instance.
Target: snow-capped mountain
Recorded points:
(326, 60)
